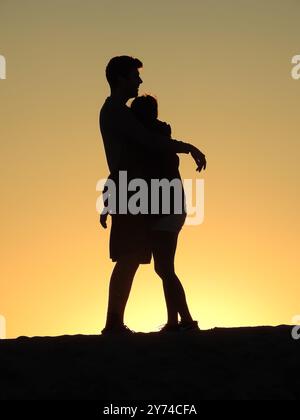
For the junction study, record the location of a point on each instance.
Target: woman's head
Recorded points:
(145, 108)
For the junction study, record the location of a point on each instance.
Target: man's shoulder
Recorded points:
(106, 113)
(104, 107)
(113, 108)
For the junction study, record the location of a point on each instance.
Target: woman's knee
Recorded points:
(164, 270)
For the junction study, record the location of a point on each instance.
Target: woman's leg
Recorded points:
(164, 246)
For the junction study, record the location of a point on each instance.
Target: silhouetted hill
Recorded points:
(242, 363)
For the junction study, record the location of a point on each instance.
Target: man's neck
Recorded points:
(119, 97)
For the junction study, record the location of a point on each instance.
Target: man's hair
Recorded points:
(145, 108)
(121, 66)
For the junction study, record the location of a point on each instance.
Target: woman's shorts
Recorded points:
(169, 223)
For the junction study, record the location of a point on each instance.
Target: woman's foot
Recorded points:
(188, 326)
(183, 326)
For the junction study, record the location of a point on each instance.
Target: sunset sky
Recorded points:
(221, 70)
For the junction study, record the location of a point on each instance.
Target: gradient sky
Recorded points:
(221, 70)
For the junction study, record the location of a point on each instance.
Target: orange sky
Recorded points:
(222, 73)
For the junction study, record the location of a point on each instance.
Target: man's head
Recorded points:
(122, 74)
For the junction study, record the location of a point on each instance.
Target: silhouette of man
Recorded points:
(124, 136)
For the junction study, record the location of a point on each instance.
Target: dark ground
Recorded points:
(241, 363)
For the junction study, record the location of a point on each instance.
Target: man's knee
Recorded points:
(128, 264)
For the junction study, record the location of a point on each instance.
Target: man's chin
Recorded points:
(134, 94)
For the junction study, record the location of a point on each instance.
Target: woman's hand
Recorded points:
(199, 158)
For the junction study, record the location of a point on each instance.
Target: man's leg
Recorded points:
(119, 290)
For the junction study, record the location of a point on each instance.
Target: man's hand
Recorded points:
(199, 158)
(103, 220)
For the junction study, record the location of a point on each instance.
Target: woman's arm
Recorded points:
(198, 157)
(134, 130)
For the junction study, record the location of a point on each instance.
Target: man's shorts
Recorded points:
(131, 235)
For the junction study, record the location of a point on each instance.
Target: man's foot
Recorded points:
(188, 326)
(117, 330)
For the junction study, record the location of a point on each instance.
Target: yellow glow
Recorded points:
(222, 73)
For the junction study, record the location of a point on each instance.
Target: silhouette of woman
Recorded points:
(165, 228)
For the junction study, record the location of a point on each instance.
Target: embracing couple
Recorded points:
(138, 143)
